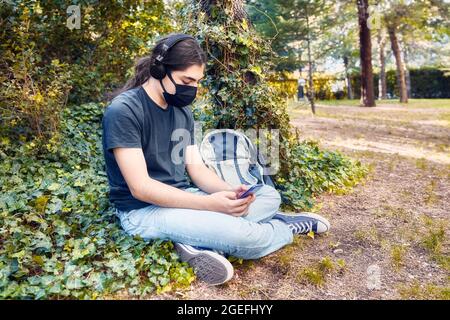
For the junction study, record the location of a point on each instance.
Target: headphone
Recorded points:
(158, 69)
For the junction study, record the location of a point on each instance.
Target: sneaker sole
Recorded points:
(209, 266)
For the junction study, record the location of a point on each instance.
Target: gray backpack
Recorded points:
(234, 157)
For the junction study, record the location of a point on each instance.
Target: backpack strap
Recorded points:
(236, 165)
(219, 168)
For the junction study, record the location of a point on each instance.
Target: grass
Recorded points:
(413, 103)
(287, 256)
(326, 264)
(421, 164)
(443, 147)
(251, 291)
(430, 196)
(434, 236)
(434, 239)
(429, 234)
(404, 117)
(312, 276)
(342, 265)
(398, 252)
(369, 235)
(426, 292)
(394, 212)
(407, 195)
(316, 273)
(444, 116)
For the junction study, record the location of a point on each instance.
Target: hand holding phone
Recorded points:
(250, 190)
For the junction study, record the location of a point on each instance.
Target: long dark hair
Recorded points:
(181, 56)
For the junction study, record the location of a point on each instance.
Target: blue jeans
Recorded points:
(249, 237)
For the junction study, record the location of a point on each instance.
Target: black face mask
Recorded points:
(183, 96)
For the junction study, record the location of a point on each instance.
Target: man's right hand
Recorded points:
(227, 202)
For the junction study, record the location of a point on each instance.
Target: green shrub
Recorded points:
(323, 86)
(58, 235)
(32, 99)
(426, 83)
(430, 83)
(314, 171)
(99, 54)
(283, 83)
(31, 93)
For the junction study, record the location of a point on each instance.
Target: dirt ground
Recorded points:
(389, 236)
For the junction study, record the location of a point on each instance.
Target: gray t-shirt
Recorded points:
(134, 120)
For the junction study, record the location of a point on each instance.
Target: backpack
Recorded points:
(234, 158)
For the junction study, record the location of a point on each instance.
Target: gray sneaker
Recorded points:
(209, 265)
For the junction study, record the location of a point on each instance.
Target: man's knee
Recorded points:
(251, 238)
(266, 204)
(271, 194)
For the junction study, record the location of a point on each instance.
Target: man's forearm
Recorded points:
(209, 181)
(164, 195)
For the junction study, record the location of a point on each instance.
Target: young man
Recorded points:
(150, 190)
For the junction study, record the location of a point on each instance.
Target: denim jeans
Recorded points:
(250, 237)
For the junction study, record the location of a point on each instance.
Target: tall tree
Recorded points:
(348, 79)
(341, 40)
(407, 74)
(365, 43)
(401, 78)
(310, 93)
(382, 83)
(295, 27)
(413, 19)
(408, 22)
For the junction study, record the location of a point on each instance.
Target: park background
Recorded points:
(364, 141)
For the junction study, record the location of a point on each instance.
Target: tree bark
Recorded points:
(365, 47)
(399, 63)
(310, 69)
(348, 79)
(407, 75)
(238, 12)
(382, 86)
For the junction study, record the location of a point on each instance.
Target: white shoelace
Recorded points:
(301, 227)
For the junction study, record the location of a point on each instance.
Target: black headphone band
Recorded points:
(169, 43)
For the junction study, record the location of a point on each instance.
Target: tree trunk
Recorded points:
(399, 63)
(348, 79)
(382, 86)
(408, 82)
(237, 11)
(407, 75)
(365, 47)
(310, 69)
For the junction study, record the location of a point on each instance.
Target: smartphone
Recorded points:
(250, 190)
